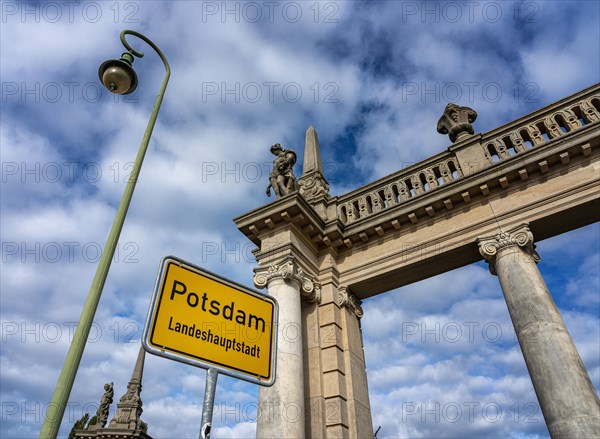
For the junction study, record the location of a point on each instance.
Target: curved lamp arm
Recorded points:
(141, 54)
(159, 98)
(56, 408)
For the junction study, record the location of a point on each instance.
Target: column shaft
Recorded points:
(565, 392)
(281, 406)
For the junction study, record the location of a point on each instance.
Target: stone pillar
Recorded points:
(564, 390)
(281, 410)
(359, 408)
(336, 391)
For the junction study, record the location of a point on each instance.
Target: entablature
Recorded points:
(546, 142)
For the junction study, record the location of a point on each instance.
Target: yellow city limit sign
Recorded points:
(200, 318)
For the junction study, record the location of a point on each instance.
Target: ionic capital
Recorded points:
(288, 270)
(346, 298)
(520, 236)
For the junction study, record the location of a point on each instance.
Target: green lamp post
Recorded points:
(119, 77)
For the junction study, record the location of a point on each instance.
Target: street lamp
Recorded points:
(119, 77)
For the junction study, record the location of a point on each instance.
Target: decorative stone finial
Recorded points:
(313, 183)
(282, 178)
(456, 122)
(129, 408)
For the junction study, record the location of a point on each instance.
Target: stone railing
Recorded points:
(500, 144)
(557, 121)
(398, 188)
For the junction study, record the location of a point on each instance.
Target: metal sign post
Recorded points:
(209, 402)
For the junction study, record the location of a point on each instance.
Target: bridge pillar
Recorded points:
(281, 410)
(564, 390)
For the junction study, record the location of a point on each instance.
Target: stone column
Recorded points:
(564, 390)
(281, 410)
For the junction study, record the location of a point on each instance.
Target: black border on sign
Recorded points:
(194, 360)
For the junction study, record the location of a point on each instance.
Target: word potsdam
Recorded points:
(193, 299)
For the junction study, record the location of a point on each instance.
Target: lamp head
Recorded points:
(118, 75)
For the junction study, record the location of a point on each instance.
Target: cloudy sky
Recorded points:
(373, 79)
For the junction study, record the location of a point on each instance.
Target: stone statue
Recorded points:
(104, 407)
(282, 178)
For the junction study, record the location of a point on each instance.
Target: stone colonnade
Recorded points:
(318, 254)
(321, 387)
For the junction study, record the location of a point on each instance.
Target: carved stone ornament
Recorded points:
(129, 408)
(313, 186)
(314, 296)
(456, 121)
(520, 236)
(288, 269)
(346, 298)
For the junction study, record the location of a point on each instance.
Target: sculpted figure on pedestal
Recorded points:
(282, 178)
(105, 402)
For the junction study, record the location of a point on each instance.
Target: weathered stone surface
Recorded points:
(333, 359)
(331, 335)
(281, 406)
(456, 121)
(336, 412)
(334, 384)
(282, 179)
(362, 425)
(313, 185)
(358, 381)
(329, 313)
(129, 408)
(315, 417)
(565, 392)
(310, 324)
(312, 367)
(104, 407)
(337, 432)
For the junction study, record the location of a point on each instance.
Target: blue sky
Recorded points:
(373, 79)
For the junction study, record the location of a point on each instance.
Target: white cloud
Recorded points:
(436, 341)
